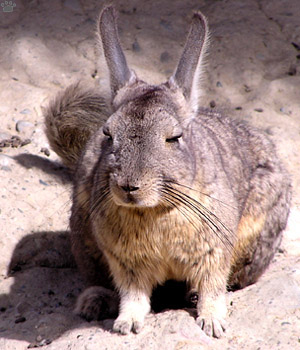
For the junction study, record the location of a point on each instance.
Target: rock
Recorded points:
(4, 135)
(136, 46)
(5, 160)
(26, 111)
(20, 319)
(25, 128)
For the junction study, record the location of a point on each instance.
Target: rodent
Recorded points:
(165, 189)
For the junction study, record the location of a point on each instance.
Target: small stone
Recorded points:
(292, 70)
(26, 111)
(15, 141)
(238, 108)
(23, 125)
(219, 84)
(25, 142)
(94, 74)
(39, 338)
(296, 46)
(46, 151)
(20, 319)
(43, 182)
(259, 110)
(5, 168)
(247, 88)
(212, 104)
(136, 46)
(4, 135)
(284, 110)
(45, 342)
(165, 57)
(269, 131)
(5, 160)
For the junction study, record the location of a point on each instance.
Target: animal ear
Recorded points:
(120, 74)
(187, 75)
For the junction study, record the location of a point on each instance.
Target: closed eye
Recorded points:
(174, 138)
(107, 133)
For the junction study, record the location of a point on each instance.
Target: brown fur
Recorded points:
(165, 189)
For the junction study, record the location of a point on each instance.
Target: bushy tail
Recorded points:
(71, 118)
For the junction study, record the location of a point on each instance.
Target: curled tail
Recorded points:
(71, 118)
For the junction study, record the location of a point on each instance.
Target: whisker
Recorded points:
(204, 208)
(170, 200)
(198, 209)
(203, 193)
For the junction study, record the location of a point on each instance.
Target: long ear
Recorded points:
(188, 71)
(120, 74)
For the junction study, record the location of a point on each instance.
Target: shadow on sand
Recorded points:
(43, 284)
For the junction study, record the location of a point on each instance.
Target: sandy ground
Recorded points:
(253, 73)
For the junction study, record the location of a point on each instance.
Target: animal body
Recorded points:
(165, 189)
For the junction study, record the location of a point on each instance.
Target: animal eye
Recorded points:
(107, 133)
(174, 138)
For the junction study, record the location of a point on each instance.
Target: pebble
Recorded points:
(46, 151)
(259, 110)
(136, 46)
(26, 111)
(20, 319)
(212, 104)
(5, 160)
(247, 88)
(5, 168)
(284, 110)
(219, 84)
(296, 46)
(4, 135)
(43, 182)
(24, 126)
(292, 70)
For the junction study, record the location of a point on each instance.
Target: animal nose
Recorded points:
(128, 188)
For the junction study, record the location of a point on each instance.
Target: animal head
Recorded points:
(147, 142)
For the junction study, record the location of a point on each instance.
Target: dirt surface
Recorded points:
(252, 73)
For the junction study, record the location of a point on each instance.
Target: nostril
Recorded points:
(129, 188)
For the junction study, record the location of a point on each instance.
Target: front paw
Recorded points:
(212, 326)
(212, 313)
(97, 303)
(126, 325)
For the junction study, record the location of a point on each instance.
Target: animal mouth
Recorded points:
(125, 197)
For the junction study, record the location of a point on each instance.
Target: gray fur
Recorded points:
(162, 192)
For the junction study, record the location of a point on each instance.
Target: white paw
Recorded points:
(125, 326)
(134, 307)
(212, 314)
(212, 326)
